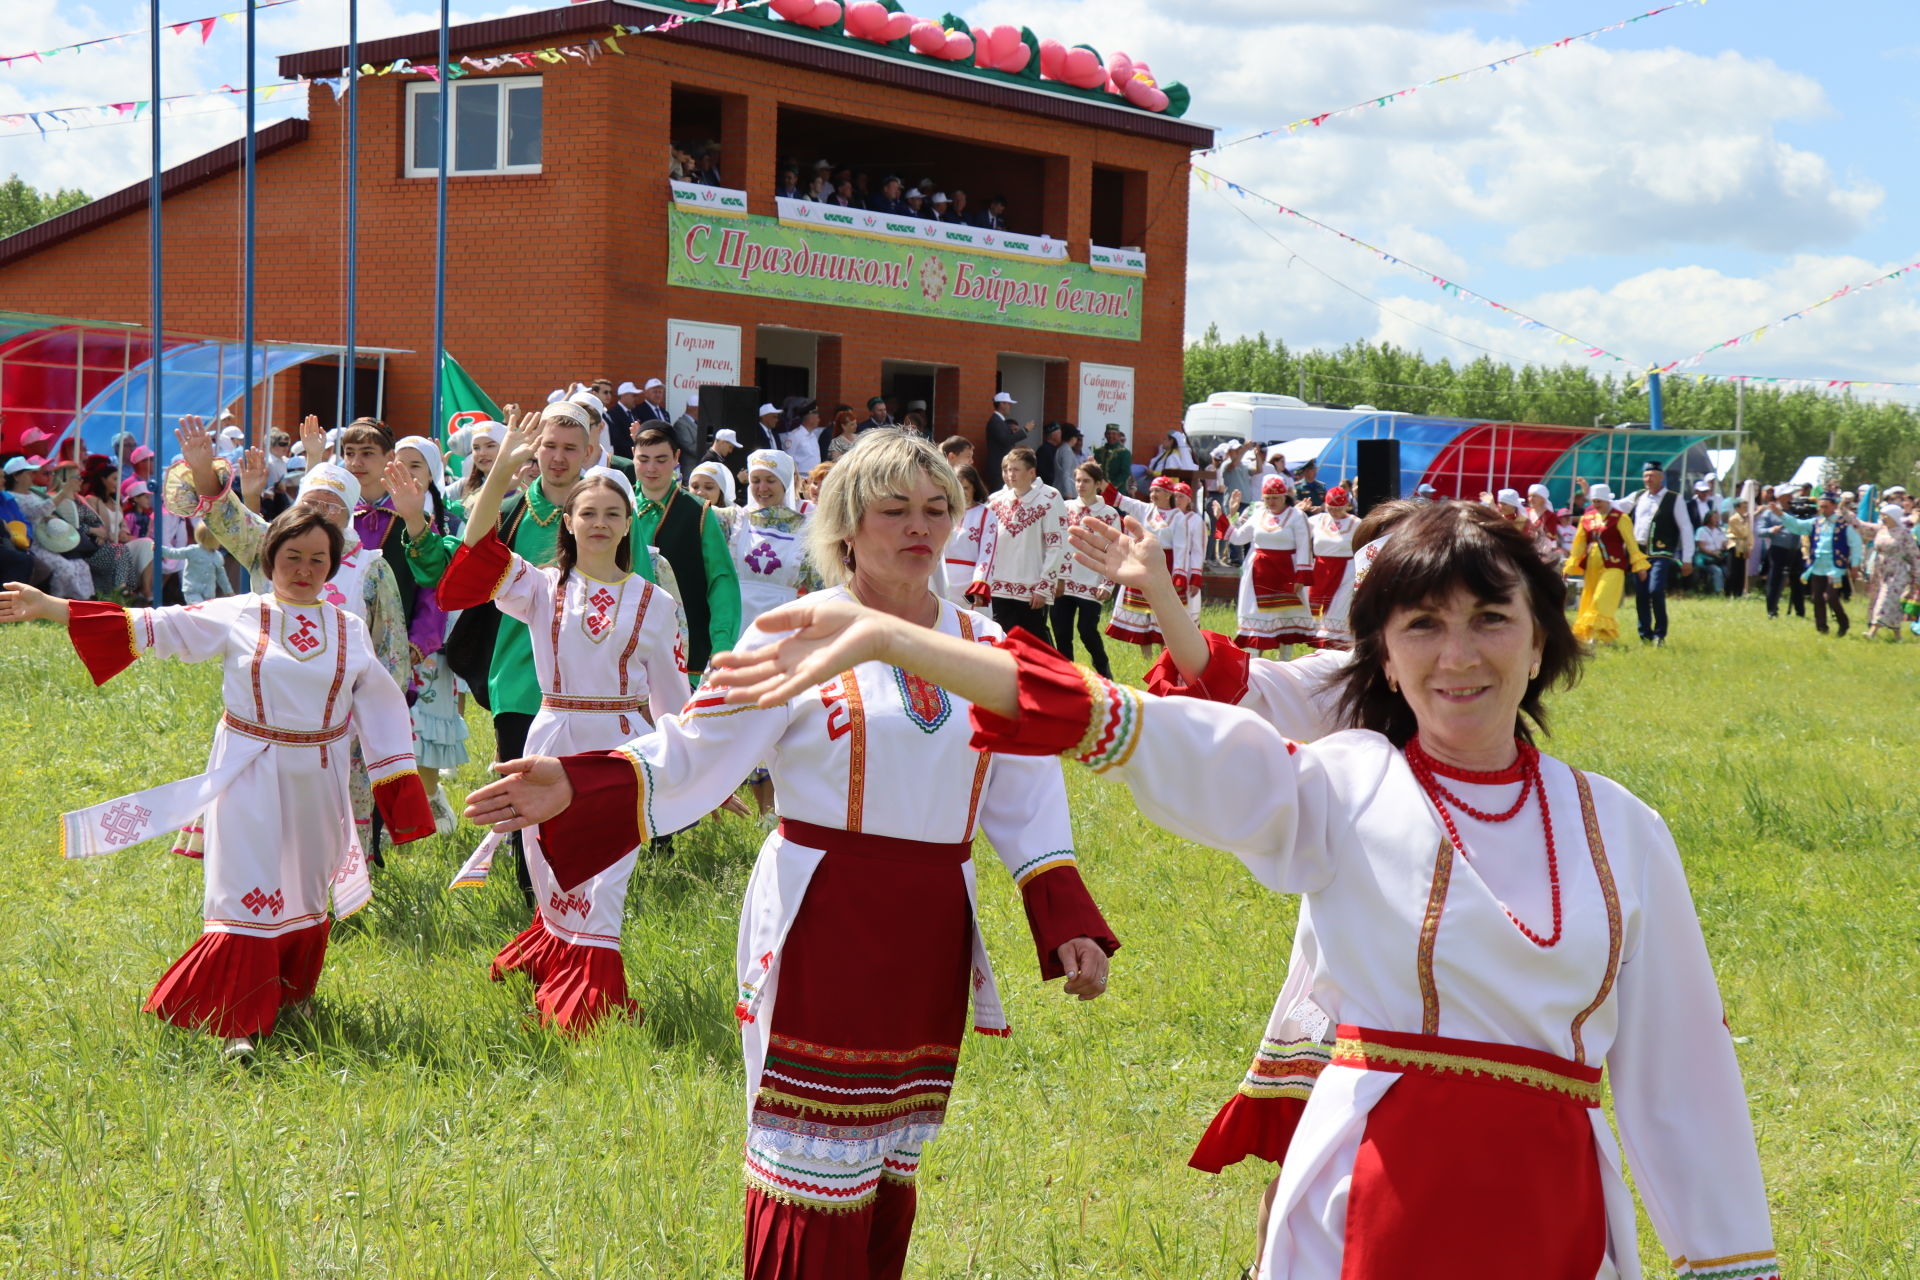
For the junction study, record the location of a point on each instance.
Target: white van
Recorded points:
(1268, 420)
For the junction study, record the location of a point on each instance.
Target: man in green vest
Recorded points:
(491, 652)
(1116, 459)
(692, 540)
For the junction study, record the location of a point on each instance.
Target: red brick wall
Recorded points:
(561, 275)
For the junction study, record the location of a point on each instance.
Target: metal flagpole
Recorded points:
(155, 312)
(347, 409)
(440, 231)
(246, 305)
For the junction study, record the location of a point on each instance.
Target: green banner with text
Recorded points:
(763, 258)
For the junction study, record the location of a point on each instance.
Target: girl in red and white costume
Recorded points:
(1132, 619)
(973, 534)
(281, 858)
(1484, 966)
(1190, 530)
(1273, 613)
(1332, 534)
(859, 939)
(606, 647)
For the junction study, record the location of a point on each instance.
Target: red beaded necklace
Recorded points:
(1526, 771)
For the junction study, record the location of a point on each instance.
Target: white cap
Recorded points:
(1541, 490)
(295, 466)
(1895, 490)
(232, 433)
(1703, 486)
(1426, 488)
(940, 197)
(766, 409)
(726, 434)
(627, 389)
(226, 415)
(1001, 397)
(652, 383)
(299, 448)
(331, 477)
(16, 465)
(1509, 496)
(1599, 493)
(556, 395)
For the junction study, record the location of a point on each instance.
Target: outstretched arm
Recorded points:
(1131, 557)
(516, 449)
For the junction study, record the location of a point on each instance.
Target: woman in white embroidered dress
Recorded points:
(973, 533)
(1018, 574)
(1331, 533)
(1273, 611)
(1480, 961)
(858, 943)
(1190, 527)
(300, 677)
(1133, 620)
(1081, 591)
(606, 649)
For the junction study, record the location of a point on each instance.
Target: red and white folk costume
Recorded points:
(1479, 972)
(1272, 610)
(280, 851)
(608, 657)
(859, 939)
(971, 542)
(1190, 528)
(1332, 543)
(1075, 579)
(1023, 556)
(1132, 619)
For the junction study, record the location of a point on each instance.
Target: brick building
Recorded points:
(571, 255)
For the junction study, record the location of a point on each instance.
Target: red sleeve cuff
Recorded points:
(102, 635)
(1059, 909)
(404, 810)
(601, 826)
(1056, 704)
(476, 573)
(1224, 680)
(1221, 527)
(1110, 495)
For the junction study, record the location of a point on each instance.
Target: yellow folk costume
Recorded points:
(1603, 550)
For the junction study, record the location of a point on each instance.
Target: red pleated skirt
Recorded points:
(234, 984)
(574, 986)
(1248, 1126)
(1327, 572)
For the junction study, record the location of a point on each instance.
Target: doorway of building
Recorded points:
(321, 392)
(786, 364)
(1027, 379)
(926, 389)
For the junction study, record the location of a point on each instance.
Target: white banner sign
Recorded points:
(1106, 399)
(714, 201)
(1122, 262)
(948, 235)
(700, 355)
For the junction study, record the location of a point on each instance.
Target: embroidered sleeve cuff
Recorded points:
(1056, 702)
(603, 823)
(102, 635)
(1224, 680)
(1740, 1266)
(476, 574)
(402, 802)
(1059, 909)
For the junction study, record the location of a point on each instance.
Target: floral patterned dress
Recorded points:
(1896, 576)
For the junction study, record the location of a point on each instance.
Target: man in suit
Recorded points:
(1702, 504)
(620, 420)
(957, 211)
(995, 218)
(1003, 434)
(652, 409)
(877, 415)
(889, 201)
(686, 434)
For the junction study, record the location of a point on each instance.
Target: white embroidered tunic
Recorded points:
(1075, 578)
(1029, 545)
(971, 540)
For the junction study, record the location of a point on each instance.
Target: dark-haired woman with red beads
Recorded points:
(1495, 929)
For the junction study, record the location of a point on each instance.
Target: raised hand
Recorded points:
(196, 450)
(409, 499)
(253, 475)
(824, 637)
(530, 791)
(523, 437)
(1129, 555)
(313, 440)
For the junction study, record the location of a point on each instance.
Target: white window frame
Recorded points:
(506, 85)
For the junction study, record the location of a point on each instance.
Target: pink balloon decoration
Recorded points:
(1052, 55)
(959, 47)
(898, 24)
(825, 14)
(866, 19)
(928, 37)
(1143, 93)
(793, 10)
(1081, 68)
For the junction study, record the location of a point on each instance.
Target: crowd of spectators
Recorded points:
(824, 182)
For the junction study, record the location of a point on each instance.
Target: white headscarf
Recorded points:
(619, 480)
(331, 477)
(720, 476)
(776, 464)
(427, 449)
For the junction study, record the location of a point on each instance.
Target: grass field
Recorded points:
(418, 1126)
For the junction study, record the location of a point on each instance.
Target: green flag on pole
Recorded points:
(462, 401)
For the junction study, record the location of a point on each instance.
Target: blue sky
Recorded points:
(1658, 190)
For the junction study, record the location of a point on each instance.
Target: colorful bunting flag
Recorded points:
(205, 26)
(1752, 336)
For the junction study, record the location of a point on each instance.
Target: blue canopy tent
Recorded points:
(1421, 441)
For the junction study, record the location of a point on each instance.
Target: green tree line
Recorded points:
(1878, 442)
(22, 205)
